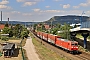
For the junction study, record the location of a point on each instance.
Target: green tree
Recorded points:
(54, 31)
(6, 30)
(17, 30)
(4, 38)
(65, 31)
(24, 34)
(6, 25)
(41, 27)
(10, 33)
(35, 26)
(55, 28)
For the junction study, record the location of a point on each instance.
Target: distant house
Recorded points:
(2, 27)
(39, 25)
(8, 49)
(47, 26)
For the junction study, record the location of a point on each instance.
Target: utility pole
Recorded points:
(1, 16)
(81, 18)
(51, 24)
(8, 21)
(25, 24)
(33, 24)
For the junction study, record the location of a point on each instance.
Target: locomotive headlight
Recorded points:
(72, 47)
(76, 47)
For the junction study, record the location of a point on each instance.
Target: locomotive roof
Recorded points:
(55, 35)
(73, 42)
(63, 39)
(66, 40)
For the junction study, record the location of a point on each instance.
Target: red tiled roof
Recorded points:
(47, 26)
(2, 27)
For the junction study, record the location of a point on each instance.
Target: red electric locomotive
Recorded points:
(71, 46)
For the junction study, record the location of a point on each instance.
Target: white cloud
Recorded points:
(75, 7)
(13, 12)
(8, 7)
(61, 12)
(4, 2)
(53, 11)
(29, 3)
(66, 6)
(46, 14)
(27, 14)
(20, 0)
(4, 7)
(47, 6)
(84, 4)
(87, 12)
(36, 10)
(50, 11)
(29, 0)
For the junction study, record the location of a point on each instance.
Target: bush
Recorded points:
(0, 36)
(4, 38)
(14, 38)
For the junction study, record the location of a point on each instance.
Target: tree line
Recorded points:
(17, 31)
(55, 28)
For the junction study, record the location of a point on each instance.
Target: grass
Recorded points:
(45, 53)
(24, 51)
(23, 42)
(79, 36)
(83, 49)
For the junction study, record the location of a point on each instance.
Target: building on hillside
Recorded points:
(47, 26)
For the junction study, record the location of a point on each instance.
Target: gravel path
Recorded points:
(30, 50)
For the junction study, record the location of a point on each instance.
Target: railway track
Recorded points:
(82, 56)
(81, 43)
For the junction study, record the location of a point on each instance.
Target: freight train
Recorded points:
(70, 46)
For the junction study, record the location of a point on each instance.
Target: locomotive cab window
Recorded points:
(74, 44)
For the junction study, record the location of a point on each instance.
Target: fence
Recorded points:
(22, 50)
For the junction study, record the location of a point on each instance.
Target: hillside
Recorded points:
(68, 19)
(18, 22)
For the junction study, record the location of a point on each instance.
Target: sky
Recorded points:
(42, 10)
